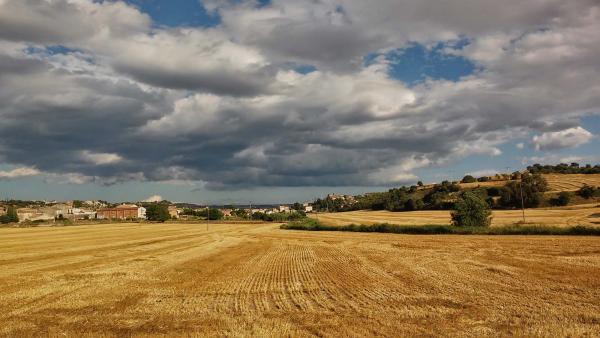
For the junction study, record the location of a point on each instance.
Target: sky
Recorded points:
(238, 101)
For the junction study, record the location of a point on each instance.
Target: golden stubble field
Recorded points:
(584, 214)
(257, 280)
(556, 182)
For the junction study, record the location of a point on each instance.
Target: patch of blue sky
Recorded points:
(416, 62)
(177, 13)
(305, 69)
(592, 123)
(49, 50)
(263, 3)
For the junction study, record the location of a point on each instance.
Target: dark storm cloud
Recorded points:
(220, 105)
(217, 82)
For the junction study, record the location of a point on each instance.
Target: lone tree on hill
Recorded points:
(471, 211)
(468, 179)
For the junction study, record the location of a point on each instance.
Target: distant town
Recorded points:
(41, 212)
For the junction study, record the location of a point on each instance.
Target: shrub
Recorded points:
(588, 191)
(563, 199)
(471, 210)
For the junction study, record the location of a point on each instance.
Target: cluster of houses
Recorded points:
(89, 210)
(306, 207)
(59, 211)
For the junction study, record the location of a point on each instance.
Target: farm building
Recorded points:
(75, 213)
(35, 214)
(173, 211)
(124, 211)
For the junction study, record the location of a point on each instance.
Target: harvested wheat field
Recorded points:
(257, 280)
(571, 182)
(556, 182)
(585, 214)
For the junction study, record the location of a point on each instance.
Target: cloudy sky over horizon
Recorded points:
(229, 101)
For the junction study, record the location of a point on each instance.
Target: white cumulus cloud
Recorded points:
(19, 172)
(153, 198)
(568, 138)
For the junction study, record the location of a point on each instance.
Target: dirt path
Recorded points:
(240, 280)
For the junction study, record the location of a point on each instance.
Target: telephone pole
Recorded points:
(207, 216)
(521, 190)
(522, 200)
(316, 210)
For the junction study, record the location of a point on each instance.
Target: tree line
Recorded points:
(564, 168)
(528, 190)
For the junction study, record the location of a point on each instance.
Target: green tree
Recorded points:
(157, 212)
(471, 210)
(414, 204)
(241, 213)
(533, 187)
(297, 206)
(420, 183)
(77, 204)
(214, 214)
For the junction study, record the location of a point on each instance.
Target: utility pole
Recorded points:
(522, 200)
(207, 216)
(250, 212)
(316, 210)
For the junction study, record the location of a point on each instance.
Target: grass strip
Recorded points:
(433, 229)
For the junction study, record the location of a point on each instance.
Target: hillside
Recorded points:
(556, 182)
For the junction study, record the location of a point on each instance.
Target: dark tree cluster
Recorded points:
(588, 191)
(214, 214)
(10, 217)
(531, 188)
(279, 216)
(564, 168)
(334, 205)
(563, 198)
(157, 212)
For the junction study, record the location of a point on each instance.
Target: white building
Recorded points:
(141, 212)
(34, 214)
